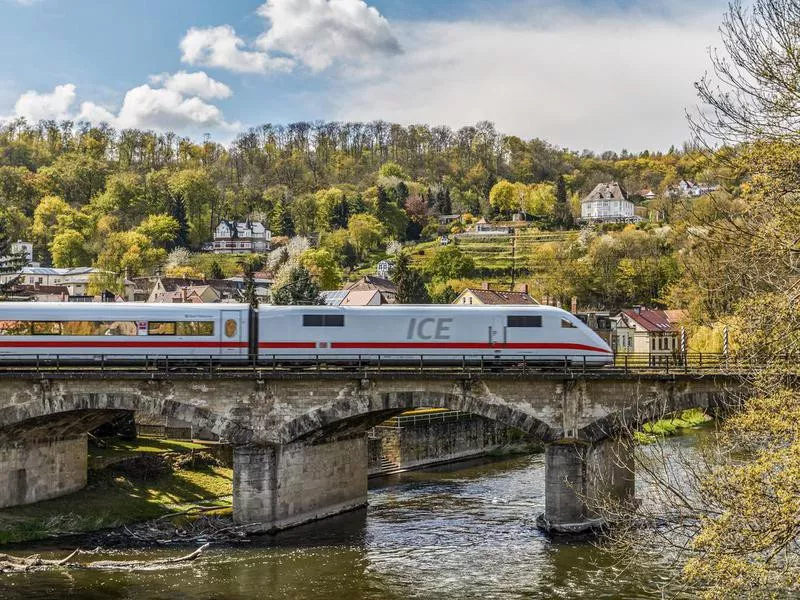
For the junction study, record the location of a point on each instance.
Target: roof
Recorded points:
(360, 298)
(607, 191)
(371, 282)
(656, 320)
(500, 297)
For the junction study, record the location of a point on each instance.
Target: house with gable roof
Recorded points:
(608, 203)
(649, 331)
(241, 237)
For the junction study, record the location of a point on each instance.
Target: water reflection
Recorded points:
(464, 531)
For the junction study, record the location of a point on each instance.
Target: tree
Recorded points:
(130, 253)
(46, 219)
(410, 286)
(9, 263)
(162, 230)
(250, 266)
(178, 213)
(562, 213)
(365, 233)
(504, 197)
(322, 266)
(68, 249)
(301, 290)
(450, 262)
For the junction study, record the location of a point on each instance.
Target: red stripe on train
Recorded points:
(438, 346)
(279, 345)
(120, 344)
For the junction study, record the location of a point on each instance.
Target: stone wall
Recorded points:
(34, 470)
(427, 442)
(282, 486)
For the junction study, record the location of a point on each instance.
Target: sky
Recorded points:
(581, 74)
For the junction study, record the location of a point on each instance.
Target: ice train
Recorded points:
(235, 332)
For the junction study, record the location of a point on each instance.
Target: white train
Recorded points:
(232, 332)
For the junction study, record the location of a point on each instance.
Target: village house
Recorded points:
(608, 203)
(371, 283)
(647, 331)
(76, 279)
(487, 296)
(241, 237)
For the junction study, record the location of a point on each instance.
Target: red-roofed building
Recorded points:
(647, 331)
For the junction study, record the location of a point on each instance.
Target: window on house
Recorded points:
(323, 320)
(526, 321)
(653, 343)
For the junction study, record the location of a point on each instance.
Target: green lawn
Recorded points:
(113, 498)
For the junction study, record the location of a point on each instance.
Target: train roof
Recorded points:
(105, 308)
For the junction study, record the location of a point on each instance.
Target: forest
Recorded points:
(124, 200)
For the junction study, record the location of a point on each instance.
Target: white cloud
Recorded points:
(312, 33)
(193, 84)
(36, 106)
(173, 102)
(622, 81)
(221, 48)
(319, 32)
(164, 109)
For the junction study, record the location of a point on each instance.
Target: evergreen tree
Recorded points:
(382, 204)
(216, 271)
(341, 213)
(401, 193)
(299, 291)
(410, 286)
(563, 214)
(179, 214)
(250, 265)
(446, 296)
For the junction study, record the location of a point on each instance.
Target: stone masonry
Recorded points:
(299, 438)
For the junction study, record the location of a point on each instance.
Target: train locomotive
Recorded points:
(236, 333)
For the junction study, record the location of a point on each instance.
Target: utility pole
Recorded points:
(513, 259)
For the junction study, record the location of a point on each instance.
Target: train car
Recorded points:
(118, 331)
(432, 333)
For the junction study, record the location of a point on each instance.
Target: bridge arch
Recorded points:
(75, 413)
(351, 415)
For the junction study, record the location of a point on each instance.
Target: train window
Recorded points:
(196, 328)
(565, 324)
(527, 321)
(15, 328)
(323, 320)
(46, 328)
(161, 328)
(97, 328)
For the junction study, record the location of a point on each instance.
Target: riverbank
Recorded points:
(129, 482)
(688, 419)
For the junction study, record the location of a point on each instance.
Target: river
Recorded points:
(462, 531)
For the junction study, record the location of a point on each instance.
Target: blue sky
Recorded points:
(596, 74)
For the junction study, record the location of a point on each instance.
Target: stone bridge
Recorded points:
(299, 439)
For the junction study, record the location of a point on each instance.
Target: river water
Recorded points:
(464, 531)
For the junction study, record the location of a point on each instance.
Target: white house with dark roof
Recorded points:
(232, 237)
(607, 203)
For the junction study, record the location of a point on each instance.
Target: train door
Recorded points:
(231, 332)
(497, 334)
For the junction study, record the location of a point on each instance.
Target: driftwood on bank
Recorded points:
(16, 564)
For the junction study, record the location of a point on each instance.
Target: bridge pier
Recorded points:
(32, 470)
(579, 477)
(281, 486)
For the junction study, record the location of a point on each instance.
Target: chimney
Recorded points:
(522, 288)
(638, 309)
(485, 285)
(574, 305)
(184, 293)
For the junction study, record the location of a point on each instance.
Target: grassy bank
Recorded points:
(687, 419)
(116, 497)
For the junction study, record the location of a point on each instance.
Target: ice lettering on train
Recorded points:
(429, 329)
